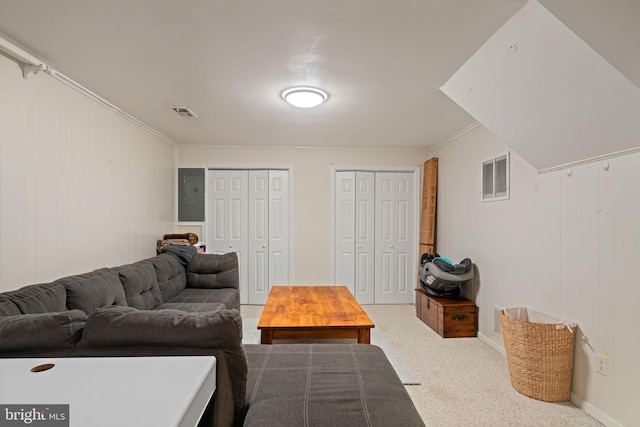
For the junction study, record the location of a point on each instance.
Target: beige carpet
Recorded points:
(464, 382)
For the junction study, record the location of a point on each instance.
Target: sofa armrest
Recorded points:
(213, 271)
(140, 331)
(118, 326)
(40, 331)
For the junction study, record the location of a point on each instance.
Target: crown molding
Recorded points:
(301, 148)
(456, 135)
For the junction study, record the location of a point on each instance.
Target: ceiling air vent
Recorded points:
(184, 111)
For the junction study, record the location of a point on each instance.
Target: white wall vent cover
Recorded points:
(546, 94)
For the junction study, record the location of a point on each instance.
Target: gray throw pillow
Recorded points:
(140, 285)
(170, 275)
(99, 288)
(213, 271)
(42, 298)
(8, 307)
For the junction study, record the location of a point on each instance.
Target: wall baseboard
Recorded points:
(585, 406)
(594, 412)
(491, 343)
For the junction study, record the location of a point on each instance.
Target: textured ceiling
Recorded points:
(381, 61)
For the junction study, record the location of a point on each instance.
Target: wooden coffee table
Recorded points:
(313, 312)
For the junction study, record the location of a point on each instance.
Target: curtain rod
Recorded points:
(31, 64)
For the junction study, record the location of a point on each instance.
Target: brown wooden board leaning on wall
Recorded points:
(449, 318)
(429, 198)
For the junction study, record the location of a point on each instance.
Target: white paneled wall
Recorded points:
(81, 187)
(565, 244)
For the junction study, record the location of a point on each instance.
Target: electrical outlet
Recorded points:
(601, 366)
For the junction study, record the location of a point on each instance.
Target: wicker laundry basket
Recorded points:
(539, 351)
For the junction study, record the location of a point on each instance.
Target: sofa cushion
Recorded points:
(213, 271)
(170, 274)
(325, 384)
(191, 306)
(126, 326)
(90, 291)
(228, 296)
(140, 285)
(8, 307)
(42, 298)
(40, 331)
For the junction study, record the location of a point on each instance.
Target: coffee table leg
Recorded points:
(364, 336)
(266, 336)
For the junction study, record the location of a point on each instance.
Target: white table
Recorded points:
(115, 391)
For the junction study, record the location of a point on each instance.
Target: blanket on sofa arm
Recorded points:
(325, 385)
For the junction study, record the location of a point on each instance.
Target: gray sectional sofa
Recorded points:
(189, 304)
(154, 307)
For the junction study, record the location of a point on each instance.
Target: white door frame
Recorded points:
(417, 176)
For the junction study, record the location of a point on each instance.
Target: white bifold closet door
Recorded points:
(226, 217)
(395, 236)
(268, 232)
(375, 235)
(248, 213)
(355, 233)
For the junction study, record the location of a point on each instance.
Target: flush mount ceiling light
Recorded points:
(304, 97)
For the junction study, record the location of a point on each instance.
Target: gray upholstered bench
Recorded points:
(325, 385)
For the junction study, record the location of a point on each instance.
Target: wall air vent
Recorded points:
(184, 111)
